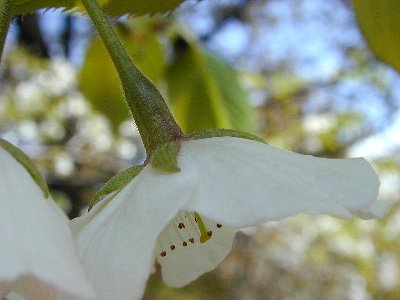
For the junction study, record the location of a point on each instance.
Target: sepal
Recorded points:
(210, 133)
(164, 157)
(26, 162)
(116, 183)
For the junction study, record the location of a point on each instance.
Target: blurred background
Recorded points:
(297, 73)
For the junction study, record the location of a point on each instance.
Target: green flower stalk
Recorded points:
(152, 116)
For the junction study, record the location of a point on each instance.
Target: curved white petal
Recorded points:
(245, 182)
(37, 255)
(116, 241)
(183, 258)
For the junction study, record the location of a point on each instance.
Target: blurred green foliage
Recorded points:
(99, 80)
(203, 91)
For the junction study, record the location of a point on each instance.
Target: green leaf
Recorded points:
(21, 7)
(98, 78)
(116, 183)
(205, 93)
(26, 162)
(112, 7)
(210, 133)
(380, 24)
(234, 97)
(164, 157)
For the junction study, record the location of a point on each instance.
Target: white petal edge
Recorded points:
(37, 257)
(189, 258)
(244, 183)
(116, 239)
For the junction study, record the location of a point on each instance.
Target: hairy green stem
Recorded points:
(152, 116)
(5, 20)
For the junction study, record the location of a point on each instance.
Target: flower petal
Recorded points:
(115, 240)
(183, 258)
(37, 256)
(245, 182)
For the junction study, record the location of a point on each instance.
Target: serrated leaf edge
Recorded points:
(72, 7)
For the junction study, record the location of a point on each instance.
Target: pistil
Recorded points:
(205, 234)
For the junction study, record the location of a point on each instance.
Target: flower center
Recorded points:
(186, 229)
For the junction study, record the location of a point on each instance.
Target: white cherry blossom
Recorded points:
(186, 221)
(37, 256)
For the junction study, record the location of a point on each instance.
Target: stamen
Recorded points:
(186, 229)
(178, 223)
